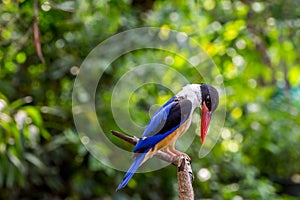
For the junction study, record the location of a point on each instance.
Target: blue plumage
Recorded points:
(158, 118)
(151, 141)
(134, 166)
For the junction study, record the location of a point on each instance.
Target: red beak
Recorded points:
(205, 119)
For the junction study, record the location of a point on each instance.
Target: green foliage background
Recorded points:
(255, 45)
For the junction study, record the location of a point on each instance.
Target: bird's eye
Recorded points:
(208, 102)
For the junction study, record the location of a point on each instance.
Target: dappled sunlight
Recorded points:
(72, 71)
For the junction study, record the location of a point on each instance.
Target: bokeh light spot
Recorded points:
(204, 174)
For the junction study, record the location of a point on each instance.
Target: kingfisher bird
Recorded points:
(171, 121)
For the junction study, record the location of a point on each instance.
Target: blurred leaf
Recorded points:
(11, 175)
(14, 158)
(35, 161)
(34, 114)
(2, 170)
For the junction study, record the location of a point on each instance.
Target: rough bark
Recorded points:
(185, 179)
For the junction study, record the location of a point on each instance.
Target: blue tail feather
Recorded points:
(134, 166)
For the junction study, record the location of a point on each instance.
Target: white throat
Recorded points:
(192, 93)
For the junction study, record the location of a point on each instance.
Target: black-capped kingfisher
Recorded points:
(171, 121)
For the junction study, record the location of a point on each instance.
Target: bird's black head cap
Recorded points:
(210, 96)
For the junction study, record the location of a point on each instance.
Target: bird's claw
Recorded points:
(173, 153)
(186, 156)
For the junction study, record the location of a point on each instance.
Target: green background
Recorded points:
(254, 44)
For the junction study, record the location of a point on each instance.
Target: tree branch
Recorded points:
(36, 32)
(185, 179)
(185, 175)
(131, 140)
(160, 154)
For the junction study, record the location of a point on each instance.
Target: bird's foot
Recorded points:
(173, 153)
(179, 153)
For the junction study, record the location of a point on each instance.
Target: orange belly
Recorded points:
(171, 138)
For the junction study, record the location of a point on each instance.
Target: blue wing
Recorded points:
(164, 122)
(158, 118)
(134, 166)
